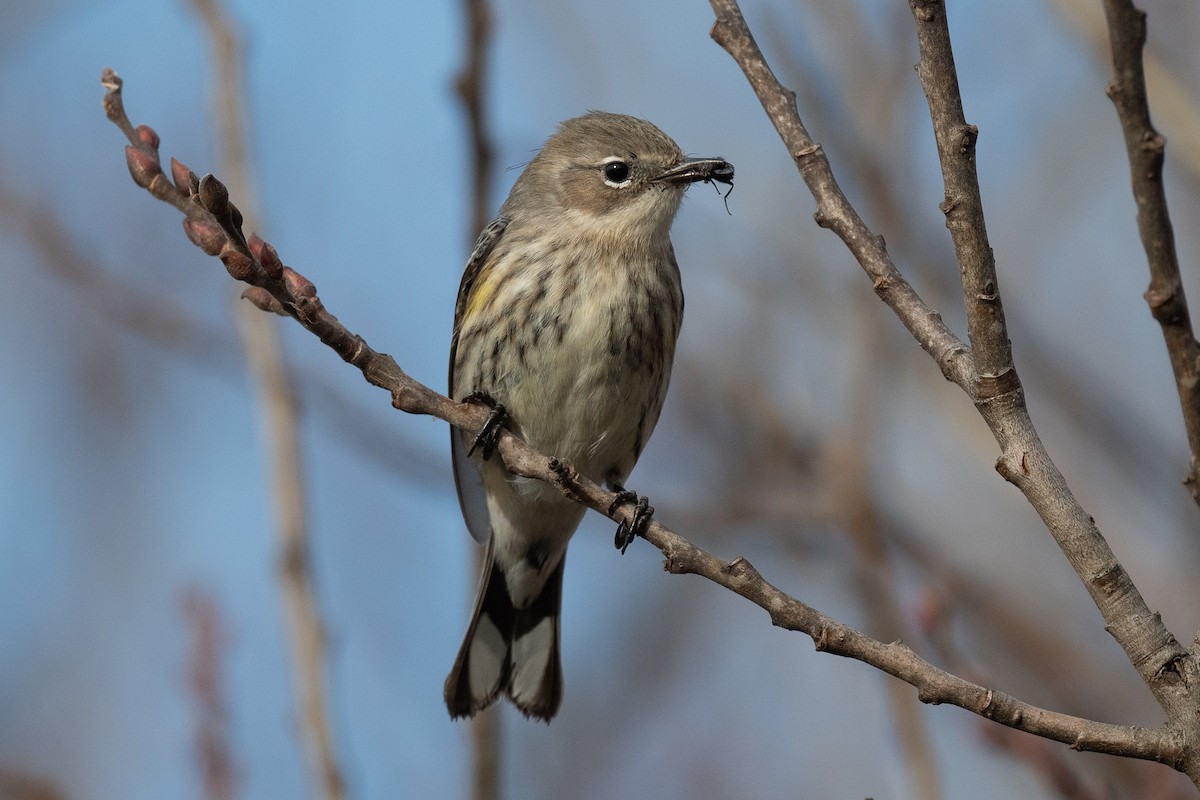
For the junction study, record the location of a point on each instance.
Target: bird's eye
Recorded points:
(616, 173)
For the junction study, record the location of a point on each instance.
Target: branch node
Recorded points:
(566, 478)
(968, 135)
(805, 153)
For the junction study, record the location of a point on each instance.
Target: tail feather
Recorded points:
(511, 650)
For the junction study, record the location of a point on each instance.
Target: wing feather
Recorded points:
(472, 498)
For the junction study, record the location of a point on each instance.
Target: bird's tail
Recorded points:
(509, 649)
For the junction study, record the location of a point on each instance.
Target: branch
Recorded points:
(214, 224)
(1145, 149)
(984, 371)
(963, 205)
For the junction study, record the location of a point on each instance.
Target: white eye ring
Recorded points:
(616, 172)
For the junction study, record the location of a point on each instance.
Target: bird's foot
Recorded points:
(643, 514)
(489, 435)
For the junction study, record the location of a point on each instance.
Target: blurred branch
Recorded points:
(1176, 105)
(1124, 437)
(211, 727)
(471, 87)
(1145, 148)
(18, 786)
(985, 370)
(281, 421)
(214, 224)
(876, 583)
(163, 323)
(1046, 761)
(158, 319)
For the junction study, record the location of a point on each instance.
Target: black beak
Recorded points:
(699, 169)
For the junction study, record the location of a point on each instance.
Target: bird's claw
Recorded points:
(489, 435)
(643, 514)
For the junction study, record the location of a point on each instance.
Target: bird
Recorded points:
(565, 324)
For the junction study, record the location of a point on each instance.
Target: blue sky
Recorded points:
(133, 471)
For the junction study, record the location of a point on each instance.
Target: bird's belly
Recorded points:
(581, 400)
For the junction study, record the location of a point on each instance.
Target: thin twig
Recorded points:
(1160, 660)
(963, 206)
(1166, 668)
(206, 681)
(281, 421)
(216, 228)
(471, 87)
(1145, 148)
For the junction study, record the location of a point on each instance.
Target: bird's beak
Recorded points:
(698, 169)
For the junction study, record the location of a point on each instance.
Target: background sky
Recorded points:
(132, 463)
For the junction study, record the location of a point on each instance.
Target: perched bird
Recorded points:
(565, 324)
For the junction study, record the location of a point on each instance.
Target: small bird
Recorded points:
(565, 324)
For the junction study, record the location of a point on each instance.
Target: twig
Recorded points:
(215, 226)
(1175, 104)
(206, 683)
(998, 394)
(1167, 669)
(1145, 149)
(963, 205)
(471, 87)
(281, 421)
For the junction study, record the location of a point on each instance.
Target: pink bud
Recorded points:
(205, 235)
(213, 195)
(264, 300)
(147, 136)
(271, 262)
(182, 175)
(239, 265)
(142, 166)
(297, 285)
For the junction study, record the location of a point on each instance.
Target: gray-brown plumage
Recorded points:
(567, 316)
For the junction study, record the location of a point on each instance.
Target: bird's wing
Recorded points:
(472, 497)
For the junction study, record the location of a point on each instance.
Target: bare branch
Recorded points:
(963, 205)
(861, 516)
(992, 384)
(217, 227)
(1145, 148)
(833, 209)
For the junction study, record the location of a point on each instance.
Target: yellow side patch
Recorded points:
(481, 292)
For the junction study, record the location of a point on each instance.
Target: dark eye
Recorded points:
(616, 172)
